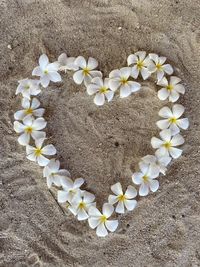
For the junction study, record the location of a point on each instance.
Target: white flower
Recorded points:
(66, 63)
(118, 79)
(171, 89)
(100, 220)
(28, 87)
(54, 174)
(80, 205)
(47, 71)
(101, 90)
(139, 63)
(157, 163)
(146, 179)
(167, 144)
(70, 189)
(30, 128)
(87, 70)
(30, 108)
(123, 199)
(172, 119)
(157, 65)
(36, 153)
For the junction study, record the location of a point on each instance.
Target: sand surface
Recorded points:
(103, 145)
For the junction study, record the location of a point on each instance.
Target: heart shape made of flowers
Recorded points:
(29, 123)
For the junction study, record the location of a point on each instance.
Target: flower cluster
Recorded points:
(29, 124)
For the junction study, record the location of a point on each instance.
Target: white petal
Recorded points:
(130, 204)
(120, 207)
(26, 103)
(175, 152)
(131, 192)
(78, 182)
(177, 140)
(49, 150)
(112, 199)
(183, 123)
(101, 230)
(94, 212)
(165, 112)
(38, 135)
(24, 139)
(174, 129)
(141, 55)
(137, 177)
(162, 60)
(35, 103)
(98, 81)
(62, 196)
(144, 189)
(49, 182)
(78, 77)
(42, 161)
(30, 149)
(125, 72)
(96, 73)
(125, 90)
(166, 135)
(144, 167)
(55, 76)
(107, 210)
(132, 59)
(173, 96)
(32, 157)
(39, 112)
(168, 69)
(163, 94)
(154, 57)
(115, 74)
(160, 74)
(99, 99)
(37, 71)
(178, 110)
(53, 67)
(114, 84)
(80, 62)
(92, 63)
(111, 225)
(43, 61)
(109, 95)
(174, 80)
(39, 124)
(92, 89)
(145, 73)
(117, 189)
(154, 185)
(163, 82)
(134, 72)
(88, 197)
(93, 222)
(82, 215)
(62, 59)
(45, 80)
(134, 86)
(18, 127)
(156, 142)
(163, 124)
(180, 88)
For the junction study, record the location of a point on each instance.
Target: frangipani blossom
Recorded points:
(87, 70)
(37, 153)
(70, 189)
(167, 144)
(172, 119)
(30, 128)
(123, 200)
(146, 179)
(157, 65)
(30, 108)
(47, 71)
(139, 63)
(157, 163)
(28, 87)
(101, 90)
(118, 79)
(171, 89)
(66, 63)
(80, 205)
(54, 174)
(100, 220)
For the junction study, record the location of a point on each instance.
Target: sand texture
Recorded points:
(103, 145)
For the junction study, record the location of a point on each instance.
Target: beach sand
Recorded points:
(103, 145)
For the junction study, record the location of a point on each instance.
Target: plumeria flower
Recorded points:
(70, 189)
(28, 87)
(119, 80)
(157, 163)
(167, 144)
(30, 128)
(66, 63)
(123, 200)
(171, 89)
(101, 90)
(157, 65)
(47, 71)
(172, 119)
(146, 179)
(81, 204)
(87, 70)
(139, 63)
(54, 174)
(30, 108)
(100, 220)
(37, 153)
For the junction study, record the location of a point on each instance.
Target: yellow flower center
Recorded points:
(38, 152)
(86, 71)
(121, 198)
(29, 111)
(172, 120)
(170, 87)
(46, 72)
(123, 80)
(103, 219)
(159, 66)
(81, 205)
(27, 87)
(140, 65)
(28, 130)
(103, 90)
(167, 145)
(145, 178)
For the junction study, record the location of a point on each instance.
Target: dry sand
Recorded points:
(101, 144)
